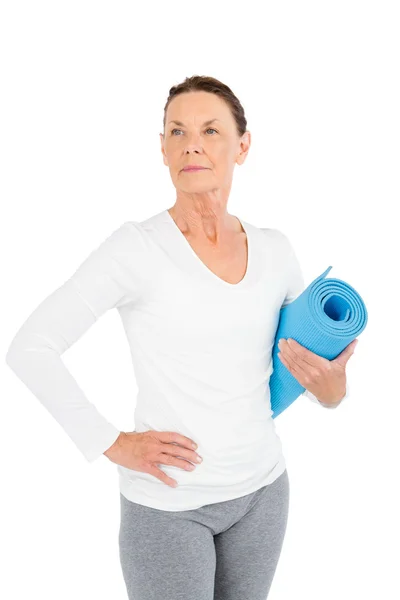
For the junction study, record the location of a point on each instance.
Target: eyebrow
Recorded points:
(205, 122)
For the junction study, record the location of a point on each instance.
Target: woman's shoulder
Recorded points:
(128, 236)
(275, 236)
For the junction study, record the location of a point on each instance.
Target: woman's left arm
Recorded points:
(324, 380)
(313, 398)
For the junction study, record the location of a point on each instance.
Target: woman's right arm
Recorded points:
(296, 286)
(100, 283)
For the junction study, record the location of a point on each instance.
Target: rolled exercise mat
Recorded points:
(325, 318)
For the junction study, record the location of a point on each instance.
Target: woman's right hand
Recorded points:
(143, 451)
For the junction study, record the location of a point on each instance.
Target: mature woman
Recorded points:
(204, 488)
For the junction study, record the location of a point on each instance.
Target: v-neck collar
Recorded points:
(188, 257)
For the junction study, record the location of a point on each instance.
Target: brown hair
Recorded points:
(209, 84)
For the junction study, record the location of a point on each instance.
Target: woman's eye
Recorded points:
(209, 129)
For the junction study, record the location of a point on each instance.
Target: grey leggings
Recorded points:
(223, 551)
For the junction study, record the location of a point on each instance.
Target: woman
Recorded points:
(199, 292)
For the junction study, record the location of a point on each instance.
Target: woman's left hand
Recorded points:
(326, 379)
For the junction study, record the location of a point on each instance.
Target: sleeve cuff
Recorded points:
(313, 398)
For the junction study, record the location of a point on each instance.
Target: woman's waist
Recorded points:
(220, 467)
(213, 430)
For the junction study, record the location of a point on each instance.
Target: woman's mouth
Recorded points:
(188, 169)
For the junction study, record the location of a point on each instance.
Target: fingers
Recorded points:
(297, 359)
(176, 451)
(159, 473)
(172, 449)
(174, 461)
(300, 353)
(170, 437)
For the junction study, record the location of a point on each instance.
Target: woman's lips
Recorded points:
(194, 169)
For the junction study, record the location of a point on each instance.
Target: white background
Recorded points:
(84, 86)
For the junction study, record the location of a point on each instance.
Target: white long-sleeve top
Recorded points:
(200, 348)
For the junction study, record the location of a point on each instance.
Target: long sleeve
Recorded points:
(295, 278)
(99, 284)
(313, 398)
(296, 286)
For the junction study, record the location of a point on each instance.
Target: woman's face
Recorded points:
(190, 139)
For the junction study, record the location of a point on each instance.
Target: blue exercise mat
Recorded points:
(325, 318)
